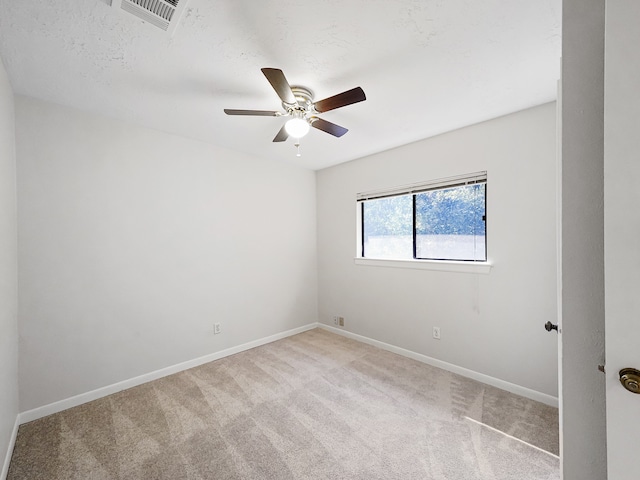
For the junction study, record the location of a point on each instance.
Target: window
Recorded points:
(439, 220)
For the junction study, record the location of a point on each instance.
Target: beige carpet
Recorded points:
(312, 406)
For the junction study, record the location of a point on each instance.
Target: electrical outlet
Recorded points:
(335, 320)
(341, 321)
(436, 333)
(216, 328)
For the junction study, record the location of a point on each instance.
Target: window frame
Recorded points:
(470, 265)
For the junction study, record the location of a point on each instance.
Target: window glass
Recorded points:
(388, 228)
(450, 223)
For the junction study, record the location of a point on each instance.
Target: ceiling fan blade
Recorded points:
(259, 113)
(343, 99)
(279, 83)
(282, 135)
(332, 128)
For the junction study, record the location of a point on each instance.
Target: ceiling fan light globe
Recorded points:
(297, 127)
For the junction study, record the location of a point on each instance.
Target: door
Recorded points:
(622, 232)
(558, 328)
(583, 448)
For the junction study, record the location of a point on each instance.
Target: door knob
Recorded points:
(630, 379)
(550, 326)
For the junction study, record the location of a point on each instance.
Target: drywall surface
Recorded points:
(473, 60)
(133, 243)
(622, 256)
(490, 323)
(8, 268)
(583, 386)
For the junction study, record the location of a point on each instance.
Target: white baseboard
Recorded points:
(465, 372)
(12, 443)
(61, 405)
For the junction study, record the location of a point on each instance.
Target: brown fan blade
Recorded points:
(282, 135)
(279, 83)
(343, 99)
(332, 128)
(259, 113)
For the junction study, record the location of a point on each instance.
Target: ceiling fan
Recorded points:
(298, 104)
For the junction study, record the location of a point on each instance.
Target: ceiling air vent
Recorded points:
(164, 14)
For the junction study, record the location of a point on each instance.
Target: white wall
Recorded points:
(8, 269)
(491, 324)
(132, 243)
(583, 386)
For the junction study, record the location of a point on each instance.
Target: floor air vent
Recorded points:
(164, 14)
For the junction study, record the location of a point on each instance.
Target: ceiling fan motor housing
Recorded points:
(304, 97)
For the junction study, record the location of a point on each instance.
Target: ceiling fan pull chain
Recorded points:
(297, 144)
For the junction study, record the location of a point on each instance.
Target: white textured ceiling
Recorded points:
(426, 66)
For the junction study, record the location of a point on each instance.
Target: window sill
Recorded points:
(436, 265)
